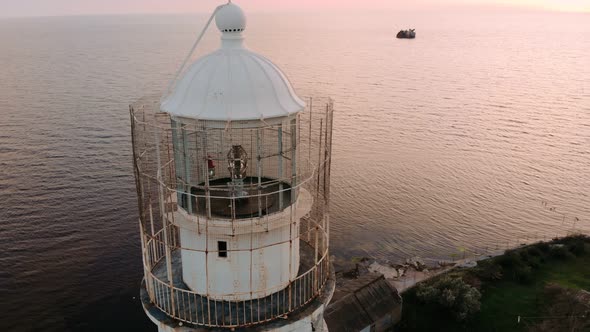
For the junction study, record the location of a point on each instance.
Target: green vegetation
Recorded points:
(512, 285)
(452, 295)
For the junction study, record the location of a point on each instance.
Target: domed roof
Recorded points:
(232, 83)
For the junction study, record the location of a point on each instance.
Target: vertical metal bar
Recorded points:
(151, 217)
(208, 311)
(177, 303)
(251, 310)
(157, 299)
(216, 311)
(315, 257)
(301, 289)
(193, 300)
(320, 166)
(328, 200)
(223, 313)
(175, 147)
(207, 275)
(306, 283)
(299, 131)
(265, 311)
(291, 223)
(161, 198)
(251, 257)
(190, 307)
(294, 133)
(310, 135)
(259, 171)
(267, 215)
(326, 149)
(202, 310)
(290, 287)
(230, 313)
(171, 175)
(280, 175)
(207, 189)
(163, 297)
(144, 256)
(204, 133)
(244, 307)
(233, 212)
(169, 301)
(183, 306)
(285, 298)
(187, 172)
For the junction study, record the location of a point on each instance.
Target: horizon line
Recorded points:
(463, 7)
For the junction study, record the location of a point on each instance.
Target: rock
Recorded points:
(352, 273)
(483, 257)
(360, 259)
(417, 263)
(386, 271)
(431, 264)
(468, 264)
(401, 272)
(444, 264)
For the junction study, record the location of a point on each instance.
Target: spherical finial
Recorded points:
(230, 18)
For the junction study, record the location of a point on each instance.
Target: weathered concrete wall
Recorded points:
(263, 253)
(245, 269)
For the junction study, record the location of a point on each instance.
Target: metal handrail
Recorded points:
(306, 284)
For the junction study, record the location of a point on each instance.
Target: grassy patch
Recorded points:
(511, 285)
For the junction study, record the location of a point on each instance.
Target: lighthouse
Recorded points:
(232, 173)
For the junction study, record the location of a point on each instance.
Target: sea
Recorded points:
(474, 135)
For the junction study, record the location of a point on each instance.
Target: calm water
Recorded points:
(450, 140)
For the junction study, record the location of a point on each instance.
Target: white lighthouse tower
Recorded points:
(233, 184)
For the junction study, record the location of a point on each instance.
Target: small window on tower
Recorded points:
(222, 248)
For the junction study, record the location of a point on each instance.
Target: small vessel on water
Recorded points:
(409, 34)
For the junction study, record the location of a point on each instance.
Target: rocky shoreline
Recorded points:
(404, 275)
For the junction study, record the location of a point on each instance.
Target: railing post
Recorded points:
(163, 216)
(146, 262)
(187, 171)
(280, 166)
(315, 258)
(259, 171)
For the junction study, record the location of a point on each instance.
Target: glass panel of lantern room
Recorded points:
(187, 169)
(294, 160)
(280, 166)
(182, 164)
(178, 163)
(202, 153)
(259, 170)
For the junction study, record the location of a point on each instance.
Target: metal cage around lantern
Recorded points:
(258, 158)
(240, 178)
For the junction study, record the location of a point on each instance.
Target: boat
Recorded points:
(409, 34)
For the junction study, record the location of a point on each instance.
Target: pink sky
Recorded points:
(74, 7)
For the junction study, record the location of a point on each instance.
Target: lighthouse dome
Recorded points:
(232, 83)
